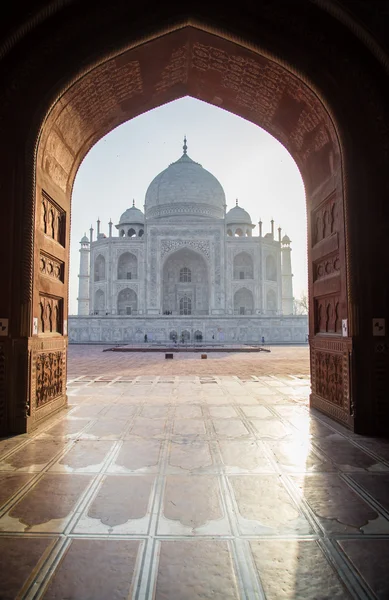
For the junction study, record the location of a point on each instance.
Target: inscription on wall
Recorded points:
(53, 219)
(53, 267)
(50, 318)
(49, 377)
(329, 377)
(328, 317)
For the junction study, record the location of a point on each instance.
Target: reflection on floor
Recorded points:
(184, 487)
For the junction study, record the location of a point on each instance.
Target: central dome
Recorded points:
(185, 189)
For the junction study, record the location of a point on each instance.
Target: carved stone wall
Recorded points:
(49, 376)
(51, 266)
(330, 378)
(53, 219)
(51, 314)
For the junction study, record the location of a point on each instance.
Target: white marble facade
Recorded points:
(187, 268)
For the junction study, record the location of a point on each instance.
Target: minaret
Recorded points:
(83, 278)
(286, 270)
(272, 228)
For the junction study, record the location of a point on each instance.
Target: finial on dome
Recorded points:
(185, 147)
(236, 202)
(133, 203)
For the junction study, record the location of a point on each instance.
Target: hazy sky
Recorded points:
(249, 163)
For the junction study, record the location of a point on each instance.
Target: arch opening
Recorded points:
(294, 115)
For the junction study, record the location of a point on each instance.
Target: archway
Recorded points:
(99, 305)
(295, 115)
(271, 302)
(99, 272)
(185, 283)
(127, 266)
(243, 302)
(243, 266)
(127, 303)
(271, 268)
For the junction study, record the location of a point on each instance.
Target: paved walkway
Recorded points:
(193, 487)
(282, 360)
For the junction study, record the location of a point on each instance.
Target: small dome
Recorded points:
(238, 215)
(286, 240)
(84, 240)
(132, 216)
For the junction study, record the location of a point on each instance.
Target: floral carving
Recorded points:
(51, 266)
(49, 377)
(329, 376)
(50, 320)
(327, 266)
(171, 245)
(52, 219)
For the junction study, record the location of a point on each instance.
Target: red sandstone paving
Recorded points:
(282, 360)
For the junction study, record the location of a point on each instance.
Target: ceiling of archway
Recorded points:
(190, 62)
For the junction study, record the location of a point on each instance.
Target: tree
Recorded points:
(301, 305)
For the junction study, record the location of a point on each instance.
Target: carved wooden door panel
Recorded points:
(48, 343)
(331, 347)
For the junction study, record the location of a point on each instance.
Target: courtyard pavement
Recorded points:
(191, 486)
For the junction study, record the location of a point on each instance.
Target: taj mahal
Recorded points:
(186, 270)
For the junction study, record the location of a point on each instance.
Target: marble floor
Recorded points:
(193, 487)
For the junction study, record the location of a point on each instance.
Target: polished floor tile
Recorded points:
(193, 487)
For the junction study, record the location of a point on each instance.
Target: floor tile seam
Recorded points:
(211, 536)
(147, 580)
(83, 502)
(378, 460)
(365, 495)
(304, 506)
(160, 482)
(247, 582)
(33, 436)
(251, 570)
(32, 483)
(46, 569)
(345, 570)
(292, 491)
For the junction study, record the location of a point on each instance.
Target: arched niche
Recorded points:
(271, 301)
(127, 303)
(271, 268)
(127, 266)
(243, 302)
(99, 302)
(99, 270)
(243, 266)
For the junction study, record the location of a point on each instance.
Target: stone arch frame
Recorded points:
(201, 252)
(131, 233)
(99, 302)
(99, 268)
(127, 296)
(271, 301)
(271, 268)
(248, 301)
(373, 182)
(247, 269)
(121, 268)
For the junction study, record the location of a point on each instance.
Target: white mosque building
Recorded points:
(186, 270)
